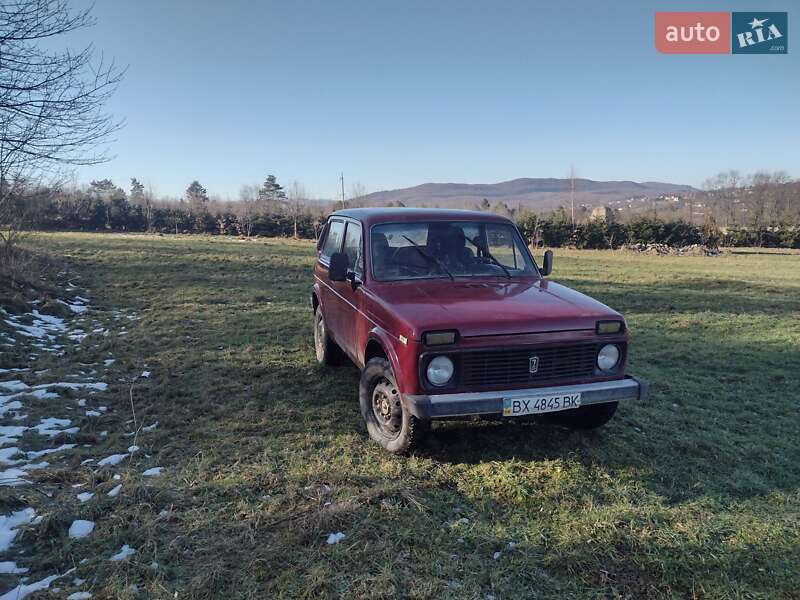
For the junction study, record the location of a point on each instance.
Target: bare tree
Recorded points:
(759, 201)
(149, 199)
(248, 207)
(358, 194)
(51, 102)
(723, 197)
(297, 198)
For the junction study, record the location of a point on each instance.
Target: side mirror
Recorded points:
(353, 279)
(337, 271)
(547, 264)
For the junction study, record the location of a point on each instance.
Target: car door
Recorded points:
(349, 292)
(331, 304)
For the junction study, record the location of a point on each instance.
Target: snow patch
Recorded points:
(9, 525)
(80, 529)
(335, 538)
(38, 453)
(93, 385)
(115, 492)
(13, 477)
(11, 568)
(112, 460)
(10, 433)
(123, 553)
(25, 589)
(43, 395)
(153, 472)
(48, 426)
(15, 385)
(7, 454)
(78, 309)
(6, 406)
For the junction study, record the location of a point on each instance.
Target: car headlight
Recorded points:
(440, 370)
(608, 357)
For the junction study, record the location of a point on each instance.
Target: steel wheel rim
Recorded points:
(386, 408)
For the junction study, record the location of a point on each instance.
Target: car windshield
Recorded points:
(448, 249)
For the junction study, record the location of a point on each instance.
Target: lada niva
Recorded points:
(447, 315)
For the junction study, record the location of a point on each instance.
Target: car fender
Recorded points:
(315, 291)
(387, 343)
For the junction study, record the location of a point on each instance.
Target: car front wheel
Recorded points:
(387, 422)
(328, 353)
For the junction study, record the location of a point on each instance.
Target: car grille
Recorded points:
(508, 366)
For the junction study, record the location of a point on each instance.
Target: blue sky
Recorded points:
(401, 93)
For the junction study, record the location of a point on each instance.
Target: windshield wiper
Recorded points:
(488, 255)
(430, 257)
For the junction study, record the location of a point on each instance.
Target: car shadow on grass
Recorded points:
(721, 419)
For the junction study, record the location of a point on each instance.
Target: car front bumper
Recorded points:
(439, 406)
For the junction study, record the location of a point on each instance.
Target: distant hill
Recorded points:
(536, 194)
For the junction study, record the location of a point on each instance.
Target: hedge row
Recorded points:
(102, 216)
(599, 235)
(553, 231)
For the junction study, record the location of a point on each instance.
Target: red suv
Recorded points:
(448, 315)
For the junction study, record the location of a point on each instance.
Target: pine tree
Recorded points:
(112, 198)
(141, 199)
(197, 197)
(272, 194)
(137, 191)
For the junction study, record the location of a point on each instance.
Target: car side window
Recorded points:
(333, 241)
(352, 247)
(502, 245)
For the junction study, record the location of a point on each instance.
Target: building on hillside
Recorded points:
(602, 214)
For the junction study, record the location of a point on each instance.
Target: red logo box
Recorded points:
(693, 32)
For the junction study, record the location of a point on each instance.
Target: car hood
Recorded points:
(478, 308)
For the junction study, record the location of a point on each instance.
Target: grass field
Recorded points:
(695, 494)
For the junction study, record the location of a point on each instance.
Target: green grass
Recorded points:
(693, 494)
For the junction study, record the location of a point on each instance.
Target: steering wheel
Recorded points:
(409, 269)
(412, 269)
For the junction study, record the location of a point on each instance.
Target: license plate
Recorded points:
(534, 405)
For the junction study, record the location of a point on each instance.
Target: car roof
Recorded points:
(371, 216)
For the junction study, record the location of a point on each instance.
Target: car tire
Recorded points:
(328, 353)
(585, 417)
(388, 423)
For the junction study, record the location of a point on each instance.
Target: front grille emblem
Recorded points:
(533, 364)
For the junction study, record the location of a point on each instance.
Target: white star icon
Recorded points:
(757, 23)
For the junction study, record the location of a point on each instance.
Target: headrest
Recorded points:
(379, 241)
